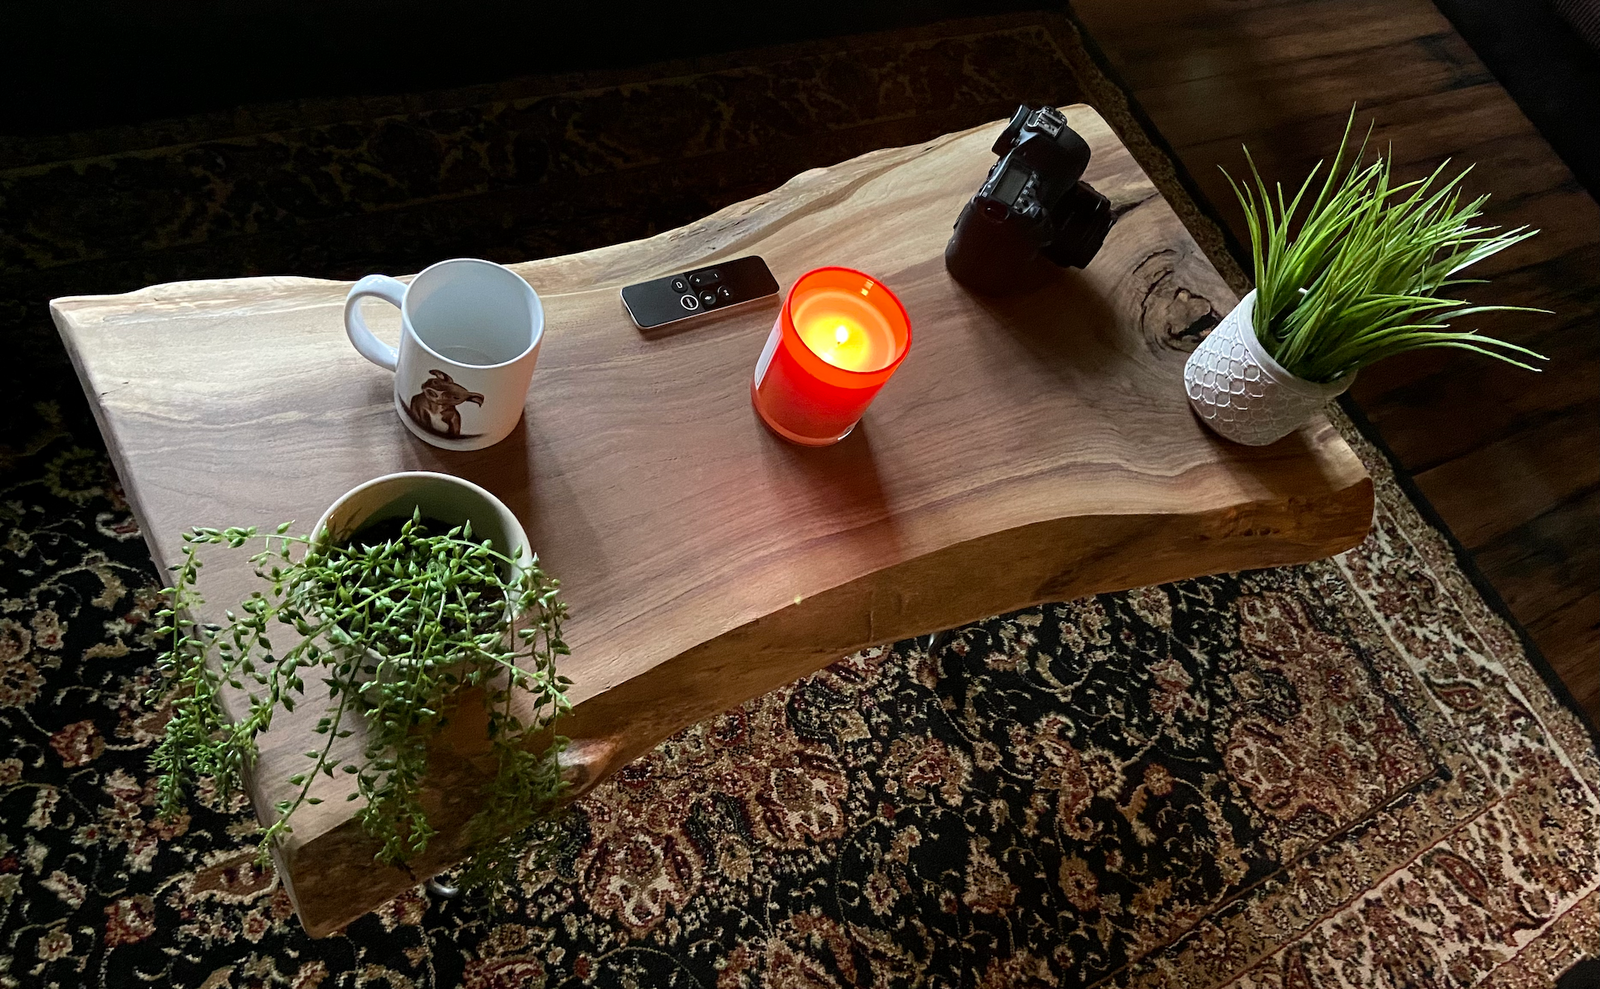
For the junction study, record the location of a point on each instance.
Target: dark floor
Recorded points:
(1511, 462)
(1552, 73)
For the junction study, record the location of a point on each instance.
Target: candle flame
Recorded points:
(841, 334)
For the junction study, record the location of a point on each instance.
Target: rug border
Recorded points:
(1402, 475)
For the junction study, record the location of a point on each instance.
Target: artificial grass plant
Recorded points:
(1360, 277)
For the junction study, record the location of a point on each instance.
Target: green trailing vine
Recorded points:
(392, 629)
(1360, 277)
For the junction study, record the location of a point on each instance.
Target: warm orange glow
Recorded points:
(838, 338)
(843, 330)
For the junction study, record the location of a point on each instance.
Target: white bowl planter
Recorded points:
(1237, 389)
(441, 497)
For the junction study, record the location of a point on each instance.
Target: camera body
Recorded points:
(1033, 213)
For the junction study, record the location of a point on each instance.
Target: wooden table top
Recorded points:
(1031, 449)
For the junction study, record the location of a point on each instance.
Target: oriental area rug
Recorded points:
(1344, 774)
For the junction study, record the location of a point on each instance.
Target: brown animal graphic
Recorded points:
(438, 398)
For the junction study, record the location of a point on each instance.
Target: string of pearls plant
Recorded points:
(392, 628)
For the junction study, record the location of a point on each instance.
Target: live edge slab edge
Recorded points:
(1028, 450)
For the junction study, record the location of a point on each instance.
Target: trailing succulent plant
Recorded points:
(394, 624)
(1359, 279)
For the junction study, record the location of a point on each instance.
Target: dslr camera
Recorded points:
(1033, 212)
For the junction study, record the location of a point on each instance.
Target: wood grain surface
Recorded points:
(1028, 450)
(1510, 461)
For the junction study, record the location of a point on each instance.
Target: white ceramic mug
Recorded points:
(469, 339)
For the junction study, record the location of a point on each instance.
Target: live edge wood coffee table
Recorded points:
(1028, 450)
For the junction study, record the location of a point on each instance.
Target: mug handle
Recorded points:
(378, 287)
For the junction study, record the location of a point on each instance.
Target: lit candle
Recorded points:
(838, 338)
(842, 329)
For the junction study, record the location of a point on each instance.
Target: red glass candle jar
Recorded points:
(838, 338)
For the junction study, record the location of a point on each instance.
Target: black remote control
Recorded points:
(696, 293)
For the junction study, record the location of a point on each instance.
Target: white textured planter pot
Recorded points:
(1237, 389)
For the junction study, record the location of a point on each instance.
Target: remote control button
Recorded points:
(679, 285)
(724, 293)
(689, 302)
(709, 298)
(701, 279)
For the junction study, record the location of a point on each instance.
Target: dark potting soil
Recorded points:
(389, 530)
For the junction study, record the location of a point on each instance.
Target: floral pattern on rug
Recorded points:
(1341, 774)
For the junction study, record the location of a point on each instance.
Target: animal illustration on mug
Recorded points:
(437, 401)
